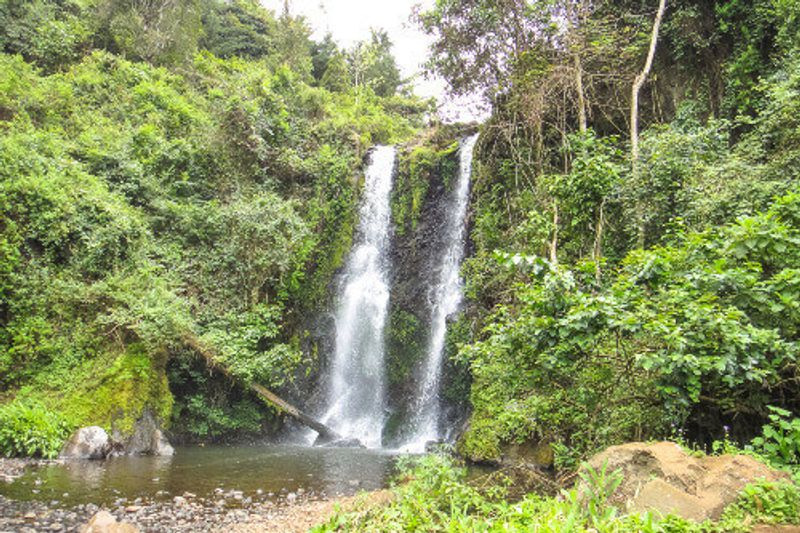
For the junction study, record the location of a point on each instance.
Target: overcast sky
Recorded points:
(350, 21)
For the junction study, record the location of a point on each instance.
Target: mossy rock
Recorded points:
(116, 397)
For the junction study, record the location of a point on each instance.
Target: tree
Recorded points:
(638, 82)
(238, 29)
(293, 43)
(321, 55)
(157, 31)
(50, 33)
(337, 76)
(382, 73)
(373, 65)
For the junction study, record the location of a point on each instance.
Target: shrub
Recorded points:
(30, 430)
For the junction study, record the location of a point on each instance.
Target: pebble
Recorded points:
(181, 514)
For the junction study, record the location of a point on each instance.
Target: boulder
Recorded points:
(87, 443)
(343, 443)
(147, 438)
(539, 454)
(104, 522)
(664, 478)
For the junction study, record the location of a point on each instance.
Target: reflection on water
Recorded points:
(273, 469)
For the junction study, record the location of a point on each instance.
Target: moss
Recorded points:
(480, 443)
(404, 345)
(459, 380)
(419, 168)
(115, 397)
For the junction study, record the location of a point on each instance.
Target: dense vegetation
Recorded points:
(193, 179)
(436, 496)
(175, 174)
(615, 297)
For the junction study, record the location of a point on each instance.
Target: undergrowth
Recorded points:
(433, 493)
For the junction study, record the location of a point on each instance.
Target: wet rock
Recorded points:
(147, 438)
(342, 443)
(87, 443)
(662, 477)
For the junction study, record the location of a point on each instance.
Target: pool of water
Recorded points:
(276, 469)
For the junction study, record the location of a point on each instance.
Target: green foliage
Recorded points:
(404, 345)
(419, 172)
(701, 326)
(238, 29)
(779, 442)
(161, 32)
(763, 503)
(436, 495)
(209, 197)
(51, 34)
(29, 430)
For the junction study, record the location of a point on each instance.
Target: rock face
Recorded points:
(663, 478)
(87, 443)
(147, 438)
(104, 522)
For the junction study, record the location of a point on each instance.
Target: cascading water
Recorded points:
(446, 300)
(357, 388)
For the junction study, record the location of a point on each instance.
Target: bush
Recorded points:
(30, 430)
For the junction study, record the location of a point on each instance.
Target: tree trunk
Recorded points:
(582, 121)
(637, 87)
(326, 433)
(598, 241)
(554, 242)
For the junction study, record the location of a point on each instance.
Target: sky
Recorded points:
(350, 21)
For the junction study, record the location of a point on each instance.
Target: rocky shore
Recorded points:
(186, 513)
(224, 510)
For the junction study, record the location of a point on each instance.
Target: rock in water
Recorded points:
(341, 443)
(87, 443)
(104, 522)
(663, 477)
(147, 438)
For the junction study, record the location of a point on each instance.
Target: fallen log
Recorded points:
(326, 434)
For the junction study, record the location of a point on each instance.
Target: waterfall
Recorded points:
(446, 296)
(357, 388)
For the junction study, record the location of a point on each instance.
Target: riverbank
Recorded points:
(229, 508)
(295, 513)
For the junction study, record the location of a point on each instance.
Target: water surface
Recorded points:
(269, 469)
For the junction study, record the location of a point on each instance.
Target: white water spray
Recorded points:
(447, 295)
(357, 389)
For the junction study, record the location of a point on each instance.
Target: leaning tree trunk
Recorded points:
(637, 87)
(326, 433)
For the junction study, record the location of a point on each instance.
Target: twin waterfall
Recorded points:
(357, 383)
